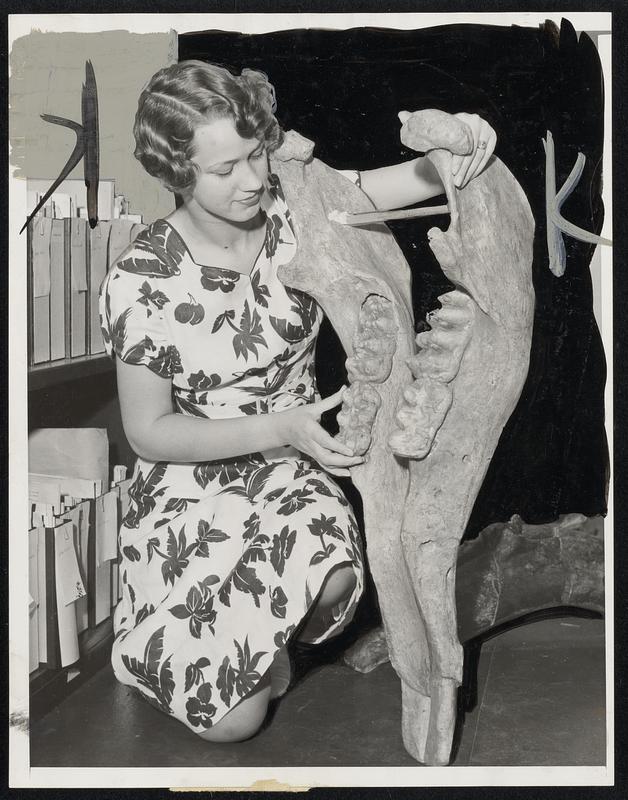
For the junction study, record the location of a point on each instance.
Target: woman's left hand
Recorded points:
(465, 168)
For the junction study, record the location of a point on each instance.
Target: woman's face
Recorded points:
(232, 172)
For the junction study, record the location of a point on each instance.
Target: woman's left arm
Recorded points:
(414, 181)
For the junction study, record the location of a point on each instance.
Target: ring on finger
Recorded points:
(482, 145)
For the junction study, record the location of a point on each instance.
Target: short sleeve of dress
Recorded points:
(132, 297)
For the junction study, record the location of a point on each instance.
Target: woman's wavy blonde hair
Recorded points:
(183, 96)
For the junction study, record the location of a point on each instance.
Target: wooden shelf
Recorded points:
(48, 687)
(50, 373)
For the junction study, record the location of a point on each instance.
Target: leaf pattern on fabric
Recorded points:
(281, 638)
(283, 543)
(274, 224)
(131, 595)
(258, 407)
(215, 278)
(307, 308)
(325, 526)
(144, 612)
(200, 709)
(187, 406)
(198, 607)
(194, 672)
(302, 470)
(131, 552)
(117, 332)
(276, 493)
(207, 535)
(274, 186)
(179, 504)
(278, 603)
(143, 494)
(246, 675)
(243, 579)
(152, 673)
(270, 386)
(254, 484)
(149, 296)
(226, 316)
(251, 527)
(176, 557)
(162, 240)
(320, 487)
(137, 352)
(167, 362)
(225, 682)
(321, 527)
(226, 471)
(151, 267)
(260, 290)
(199, 381)
(249, 335)
(295, 501)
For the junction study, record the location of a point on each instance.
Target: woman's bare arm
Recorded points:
(157, 433)
(401, 184)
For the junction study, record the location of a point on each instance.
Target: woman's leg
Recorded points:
(245, 719)
(334, 595)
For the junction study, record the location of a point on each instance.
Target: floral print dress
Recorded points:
(221, 560)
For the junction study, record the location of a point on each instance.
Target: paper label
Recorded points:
(66, 563)
(42, 229)
(44, 490)
(107, 527)
(78, 255)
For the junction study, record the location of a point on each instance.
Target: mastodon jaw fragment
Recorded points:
(428, 399)
(452, 397)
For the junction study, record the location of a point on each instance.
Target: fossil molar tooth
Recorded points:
(381, 345)
(442, 365)
(420, 421)
(374, 341)
(450, 316)
(412, 395)
(360, 405)
(385, 324)
(441, 339)
(441, 349)
(457, 300)
(374, 370)
(426, 402)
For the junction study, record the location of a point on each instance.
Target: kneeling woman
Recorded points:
(236, 538)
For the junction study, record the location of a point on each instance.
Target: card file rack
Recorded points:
(74, 581)
(66, 263)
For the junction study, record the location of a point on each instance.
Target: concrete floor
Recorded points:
(540, 701)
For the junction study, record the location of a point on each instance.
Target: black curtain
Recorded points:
(343, 89)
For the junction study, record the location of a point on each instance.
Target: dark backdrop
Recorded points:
(343, 89)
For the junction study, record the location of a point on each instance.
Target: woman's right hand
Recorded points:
(302, 429)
